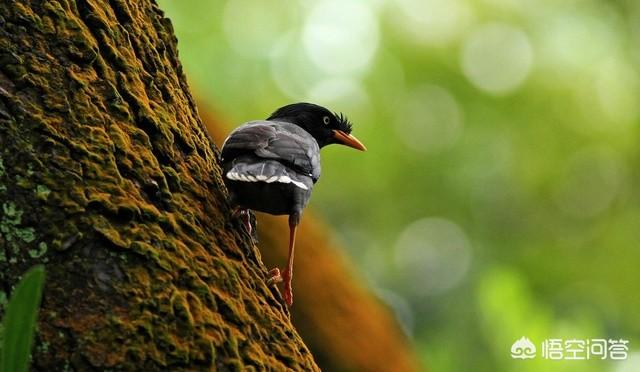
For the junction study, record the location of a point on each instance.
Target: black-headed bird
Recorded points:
(272, 165)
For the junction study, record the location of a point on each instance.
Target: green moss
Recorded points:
(26, 234)
(2, 170)
(231, 345)
(57, 244)
(181, 309)
(173, 179)
(66, 238)
(10, 211)
(235, 365)
(37, 253)
(17, 72)
(43, 347)
(22, 182)
(11, 219)
(42, 192)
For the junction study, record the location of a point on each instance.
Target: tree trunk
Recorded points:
(108, 177)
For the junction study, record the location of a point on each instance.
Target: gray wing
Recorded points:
(284, 142)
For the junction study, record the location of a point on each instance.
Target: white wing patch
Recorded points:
(287, 179)
(282, 179)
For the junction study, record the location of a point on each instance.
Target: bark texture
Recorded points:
(346, 328)
(109, 178)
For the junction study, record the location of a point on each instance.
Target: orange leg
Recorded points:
(275, 276)
(287, 275)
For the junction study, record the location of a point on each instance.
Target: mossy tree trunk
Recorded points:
(108, 177)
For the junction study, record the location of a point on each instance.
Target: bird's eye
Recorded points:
(326, 120)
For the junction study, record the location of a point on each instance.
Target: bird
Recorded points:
(272, 166)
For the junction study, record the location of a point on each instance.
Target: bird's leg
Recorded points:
(287, 274)
(274, 276)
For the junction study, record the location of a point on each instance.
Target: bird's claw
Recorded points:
(274, 276)
(288, 291)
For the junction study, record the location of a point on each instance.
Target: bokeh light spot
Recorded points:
(593, 178)
(347, 92)
(292, 71)
(617, 86)
(433, 255)
(574, 39)
(430, 119)
(631, 364)
(432, 22)
(525, 7)
(497, 58)
(341, 37)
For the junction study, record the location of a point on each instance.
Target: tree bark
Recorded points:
(109, 178)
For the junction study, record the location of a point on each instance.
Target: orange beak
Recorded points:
(348, 140)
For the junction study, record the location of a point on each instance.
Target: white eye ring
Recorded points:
(326, 120)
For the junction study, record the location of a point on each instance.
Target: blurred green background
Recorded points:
(498, 198)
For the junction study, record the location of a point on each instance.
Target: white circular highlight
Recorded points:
(618, 90)
(347, 92)
(592, 180)
(573, 39)
(292, 71)
(432, 22)
(429, 120)
(433, 255)
(341, 37)
(497, 58)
